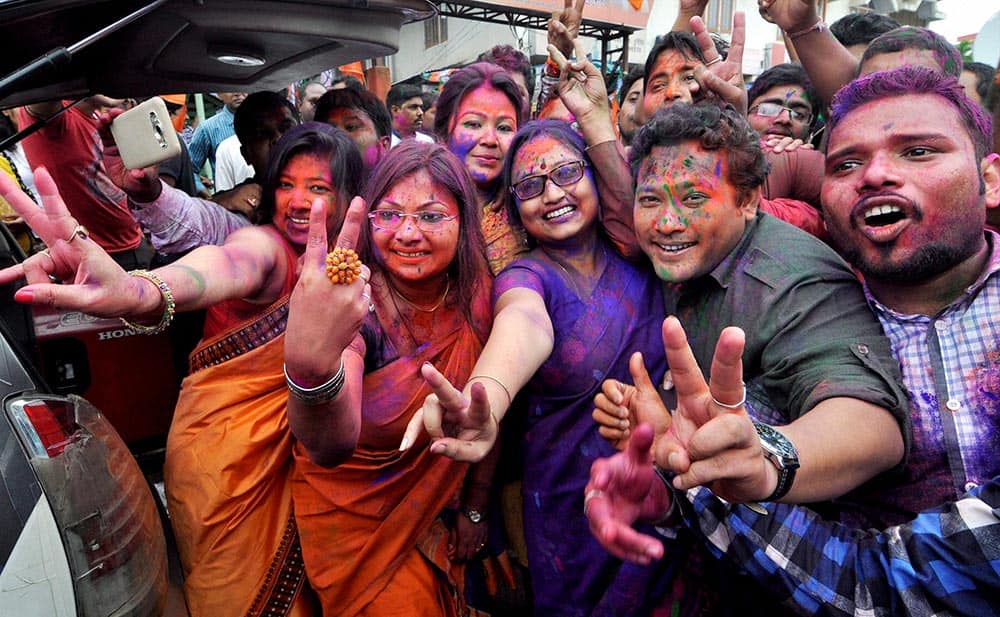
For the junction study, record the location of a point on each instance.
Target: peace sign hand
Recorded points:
(723, 77)
(461, 426)
(99, 285)
(324, 317)
(564, 25)
(712, 440)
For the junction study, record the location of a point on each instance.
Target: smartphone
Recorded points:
(145, 135)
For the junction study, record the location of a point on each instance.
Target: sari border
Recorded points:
(285, 578)
(249, 336)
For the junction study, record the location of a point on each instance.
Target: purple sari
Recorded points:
(571, 573)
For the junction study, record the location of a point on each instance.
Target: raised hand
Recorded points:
(784, 143)
(323, 318)
(624, 489)
(620, 407)
(142, 185)
(581, 86)
(99, 286)
(723, 77)
(461, 427)
(789, 15)
(564, 26)
(712, 440)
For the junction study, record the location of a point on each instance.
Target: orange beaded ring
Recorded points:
(342, 266)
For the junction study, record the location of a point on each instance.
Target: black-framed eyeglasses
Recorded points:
(773, 110)
(428, 220)
(563, 175)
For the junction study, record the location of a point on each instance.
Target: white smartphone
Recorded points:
(145, 135)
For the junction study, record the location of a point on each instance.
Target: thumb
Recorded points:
(640, 377)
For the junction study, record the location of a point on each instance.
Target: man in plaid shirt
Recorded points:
(908, 181)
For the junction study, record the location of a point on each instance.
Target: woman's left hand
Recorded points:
(581, 85)
(324, 317)
(466, 538)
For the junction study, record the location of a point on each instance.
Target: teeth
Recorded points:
(560, 212)
(675, 248)
(298, 221)
(880, 210)
(410, 254)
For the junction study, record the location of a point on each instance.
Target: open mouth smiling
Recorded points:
(559, 212)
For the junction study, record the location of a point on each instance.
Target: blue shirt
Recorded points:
(208, 136)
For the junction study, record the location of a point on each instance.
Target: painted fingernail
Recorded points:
(403, 445)
(24, 295)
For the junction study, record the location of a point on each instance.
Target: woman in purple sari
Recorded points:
(567, 316)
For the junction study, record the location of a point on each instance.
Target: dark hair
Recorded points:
(247, 116)
(400, 93)
(787, 74)
(628, 81)
(470, 267)
(467, 79)
(316, 139)
(429, 98)
(680, 40)
(946, 55)
(915, 80)
(857, 28)
(557, 129)
(714, 126)
(349, 98)
(984, 77)
(513, 61)
(350, 82)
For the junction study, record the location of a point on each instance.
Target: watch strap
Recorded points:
(785, 478)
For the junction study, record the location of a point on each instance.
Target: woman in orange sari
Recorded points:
(229, 453)
(368, 513)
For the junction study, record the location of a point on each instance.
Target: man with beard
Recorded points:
(909, 180)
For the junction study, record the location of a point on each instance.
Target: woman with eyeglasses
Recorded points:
(373, 538)
(566, 317)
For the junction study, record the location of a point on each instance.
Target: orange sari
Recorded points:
(371, 537)
(227, 471)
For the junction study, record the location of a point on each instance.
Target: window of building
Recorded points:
(435, 31)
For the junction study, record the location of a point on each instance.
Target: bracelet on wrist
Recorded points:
(499, 383)
(551, 68)
(819, 26)
(168, 309)
(323, 393)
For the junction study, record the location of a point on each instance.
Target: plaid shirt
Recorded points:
(208, 136)
(951, 368)
(944, 562)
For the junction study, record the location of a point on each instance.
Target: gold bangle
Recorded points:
(499, 383)
(601, 143)
(168, 309)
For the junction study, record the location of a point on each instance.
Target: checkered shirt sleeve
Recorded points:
(944, 562)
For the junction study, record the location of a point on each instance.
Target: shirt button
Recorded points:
(863, 349)
(953, 404)
(969, 486)
(940, 325)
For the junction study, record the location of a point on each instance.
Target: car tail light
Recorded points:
(106, 515)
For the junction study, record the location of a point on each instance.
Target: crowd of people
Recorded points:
(686, 348)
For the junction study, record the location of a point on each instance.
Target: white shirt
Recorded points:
(230, 166)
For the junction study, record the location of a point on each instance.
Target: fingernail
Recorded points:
(404, 444)
(437, 448)
(24, 295)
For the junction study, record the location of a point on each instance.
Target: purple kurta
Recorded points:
(571, 573)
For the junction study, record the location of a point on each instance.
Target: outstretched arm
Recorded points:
(463, 424)
(247, 266)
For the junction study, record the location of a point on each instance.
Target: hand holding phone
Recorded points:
(144, 135)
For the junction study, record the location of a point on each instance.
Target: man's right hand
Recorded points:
(142, 185)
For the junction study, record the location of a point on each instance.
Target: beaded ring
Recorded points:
(342, 266)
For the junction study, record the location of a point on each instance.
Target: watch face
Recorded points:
(778, 445)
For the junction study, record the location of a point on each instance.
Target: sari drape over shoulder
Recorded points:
(371, 536)
(227, 471)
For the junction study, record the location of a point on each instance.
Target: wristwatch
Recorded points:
(782, 454)
(473, 515)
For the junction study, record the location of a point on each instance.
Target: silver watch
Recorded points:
(782, 454)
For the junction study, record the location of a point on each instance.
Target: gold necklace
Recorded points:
(436, 306)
